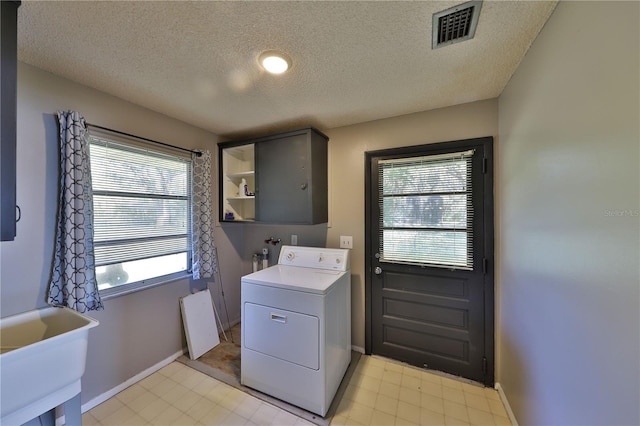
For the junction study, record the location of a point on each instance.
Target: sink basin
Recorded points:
(42, 358)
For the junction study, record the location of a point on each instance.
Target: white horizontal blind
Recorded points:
(141, 202)
(426, 210)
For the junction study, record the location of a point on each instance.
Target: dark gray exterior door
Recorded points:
(429, 283)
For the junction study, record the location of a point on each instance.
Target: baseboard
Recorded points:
(357, 349)
(135, 379)
(505, 402)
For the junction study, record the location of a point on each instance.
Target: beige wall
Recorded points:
(138, 330)
(569, 220)
(567, 229)
(347, 147)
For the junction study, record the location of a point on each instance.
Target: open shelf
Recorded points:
(238, 163)
(246, 198)
(241, 175)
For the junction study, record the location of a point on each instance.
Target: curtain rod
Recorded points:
(197, 153)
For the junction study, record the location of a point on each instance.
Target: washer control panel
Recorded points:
(315, 257)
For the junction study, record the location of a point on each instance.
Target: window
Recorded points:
(141, 202)
(426, 212)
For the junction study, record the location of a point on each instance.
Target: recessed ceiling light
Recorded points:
(275, 62)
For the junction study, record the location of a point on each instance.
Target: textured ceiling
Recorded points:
(352, 61)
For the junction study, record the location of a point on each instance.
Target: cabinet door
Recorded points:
(283, 180)
(8, 117)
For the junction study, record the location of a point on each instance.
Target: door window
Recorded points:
(426, 211)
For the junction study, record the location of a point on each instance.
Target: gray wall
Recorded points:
(249, 238)
(569, 227)
(138, 330)
(347, 148)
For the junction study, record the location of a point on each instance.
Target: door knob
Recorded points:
(377, 270)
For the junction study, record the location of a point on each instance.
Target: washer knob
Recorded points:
(290, 256)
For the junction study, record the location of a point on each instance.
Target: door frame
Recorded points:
(485, 146)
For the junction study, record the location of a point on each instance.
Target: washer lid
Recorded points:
(309, 280)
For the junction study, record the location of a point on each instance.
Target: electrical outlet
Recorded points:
(294, 240)
(346, 242)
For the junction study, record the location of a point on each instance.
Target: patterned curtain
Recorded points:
(204, 258)
(73, 278)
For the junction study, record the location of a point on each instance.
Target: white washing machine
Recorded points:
(296, 326)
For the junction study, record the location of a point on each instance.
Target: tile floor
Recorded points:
(380, 392)
(384, 392)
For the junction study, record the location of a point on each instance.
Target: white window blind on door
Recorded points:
(141, 201)
(426, 210)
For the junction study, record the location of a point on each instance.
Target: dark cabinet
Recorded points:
(291, 178)
(8, 117)
(288, 174)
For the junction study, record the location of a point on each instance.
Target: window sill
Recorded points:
(122, 290)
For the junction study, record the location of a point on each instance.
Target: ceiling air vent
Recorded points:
(455, 24)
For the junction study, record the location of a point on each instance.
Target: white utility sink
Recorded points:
(42, 358)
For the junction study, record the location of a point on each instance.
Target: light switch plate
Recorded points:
(346, 242)
(294, 240)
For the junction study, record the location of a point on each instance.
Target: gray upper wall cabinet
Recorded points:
(8, 117)
(286, 171)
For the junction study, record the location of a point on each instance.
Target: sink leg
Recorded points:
(73, 412)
